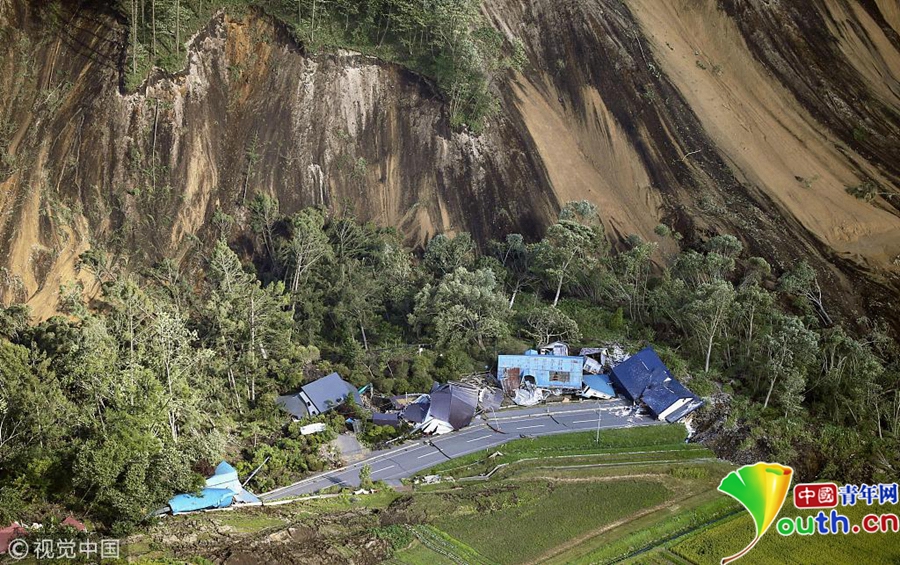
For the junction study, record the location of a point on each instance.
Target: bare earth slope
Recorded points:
(749, 118)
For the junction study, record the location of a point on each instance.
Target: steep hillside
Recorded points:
(736, 117)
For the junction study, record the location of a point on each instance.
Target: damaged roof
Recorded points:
(330, 391)
(325, 393)
(659, 397)
(639, 371)
(644, 377)
(454, 404)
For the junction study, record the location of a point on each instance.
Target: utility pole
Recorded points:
(496, 421)
(598, 423)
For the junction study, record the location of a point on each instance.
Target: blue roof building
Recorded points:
(543, 371)
(643, 377)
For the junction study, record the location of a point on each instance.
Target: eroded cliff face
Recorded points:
(750, 118)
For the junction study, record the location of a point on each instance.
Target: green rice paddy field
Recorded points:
(640, 497)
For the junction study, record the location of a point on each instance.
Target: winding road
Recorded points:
(492, 430)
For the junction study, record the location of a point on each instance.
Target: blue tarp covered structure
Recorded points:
(222, 488)
(208, 498)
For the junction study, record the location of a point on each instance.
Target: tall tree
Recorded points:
(706, 313)
(519, 259)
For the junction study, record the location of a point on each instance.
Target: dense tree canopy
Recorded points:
(135, 395)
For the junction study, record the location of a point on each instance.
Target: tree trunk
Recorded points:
(177, 27)
(362, 330)
(312, 26)
(252, 349)
(512, 299)
(134, 21)
(769, 395)
(558, 291)
(153, 23)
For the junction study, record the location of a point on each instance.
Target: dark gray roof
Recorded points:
(454, 404)
(638, 372)
(416, 412)
(330, 391)
(293, 405)
(660, 397)
(380, 419)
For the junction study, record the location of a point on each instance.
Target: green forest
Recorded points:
(448, 42)
(134, 392)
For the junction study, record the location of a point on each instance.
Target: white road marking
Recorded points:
(477, 439)
(583, 421)
(383, 469)
(530, 427)
(427, 454)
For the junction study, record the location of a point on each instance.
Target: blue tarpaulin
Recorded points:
(222, 488)
(208, 498)
(599, 385)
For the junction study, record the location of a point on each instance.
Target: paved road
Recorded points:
(410, 458)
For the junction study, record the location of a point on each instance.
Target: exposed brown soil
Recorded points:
(750, 118)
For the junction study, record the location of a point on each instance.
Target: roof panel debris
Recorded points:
(452, 407)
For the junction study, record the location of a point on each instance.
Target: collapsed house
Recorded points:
(222, 490)
(644, 378)
(531, 378)
(446, 408)
(451, 407)
(318, 397)
(542, 371)
(600, 359)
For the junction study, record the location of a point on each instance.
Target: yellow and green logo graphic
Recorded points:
(761, 488)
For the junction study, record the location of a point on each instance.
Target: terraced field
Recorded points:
(567, 499)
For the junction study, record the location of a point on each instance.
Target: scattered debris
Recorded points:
(490, 398)
(312, 428)
(529, 395)
(557, 348)
(434, 479)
